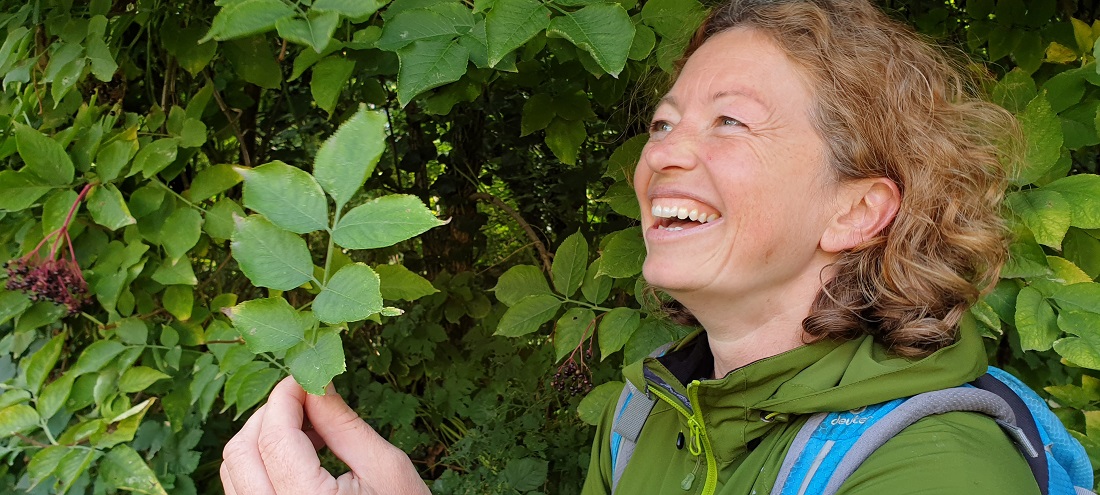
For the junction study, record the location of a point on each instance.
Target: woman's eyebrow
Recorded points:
(747, 93)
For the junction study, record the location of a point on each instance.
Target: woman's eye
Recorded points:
(727, 121)
(660, 126)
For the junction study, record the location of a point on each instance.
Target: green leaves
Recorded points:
(267, 325)
(329, 77)
(603, 30)
(397, 282)
(428, 64)
(314, 362)
(512, 23)
(287, 196)
(567, 271)
(107, 207)
(623, 254)
(349, 156)
(519, 282)
(527, 315)
(124, 468)
(1046, 213)
(383, 222)
(246, 17)
(594, 404)
(1043, 132)
(351, 295)
(45, 159)
(17, 418)
(270, 256)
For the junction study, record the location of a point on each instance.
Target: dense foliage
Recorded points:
(197, 199)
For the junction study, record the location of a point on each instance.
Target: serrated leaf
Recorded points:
(519, 282)
(270, 256)
(571, 329)
(594, 404)
(139, 378)
(246, 17)
(267, 325)
(384, 222)
(212, 181)
(596, 287)
(1035, 320)
(20, 190)
(314, 364)
(183, 229)
(1043, 133)
(351, 295)
(643, 43)
(349, 156)
(123, 468)
(1082, 192)
(17, 418)
(603, 30)
(568, 269)
(397, 282)
(623, 200)
(45, 158)
(623, 254)
(315, 30)
(511, 24)
(616, 328)
(1046, 213)
(154, 157)
(349, 8)
(674, 19)
(527, 315)
(427, 64)
(416, 24)
(328, 80)
(268, 187)
(564, 138)
(525, 474)
(538, 112)
(96, 356)
(107, 207)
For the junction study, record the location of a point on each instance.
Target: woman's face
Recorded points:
(732, 145)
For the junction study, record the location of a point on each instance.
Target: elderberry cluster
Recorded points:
(571, 379)
(57, 281)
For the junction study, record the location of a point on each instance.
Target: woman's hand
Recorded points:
(274, 455)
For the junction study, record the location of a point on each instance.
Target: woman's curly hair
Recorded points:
(891, 104)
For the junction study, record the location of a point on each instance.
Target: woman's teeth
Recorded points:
(683, 214)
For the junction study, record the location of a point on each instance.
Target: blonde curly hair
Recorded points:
(891, 104)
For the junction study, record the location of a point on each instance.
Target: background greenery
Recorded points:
(183, 158)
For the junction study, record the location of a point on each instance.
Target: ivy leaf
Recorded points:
(19, 190)
(139, 378)
(568, 269)
(384, 222)
(519, 282)
(427, 64)
(565, 138)
(355, 9)
(287, 196)
(212, 181)
(512, 23)
(270, 256)
(17, 418)
(623, 253)
(182, 228)
(246, 17)
(107, 207)
(595, 403)
(123, 468)
(616, 328)
(398, 282)
(603, 30)
(351, 295)
(314, 364)
(1045, 212)
(1035, 320)
(1082, 192)
(349, 156)
(314, 31)
(267, 325)
(571, 330)
(1043, 133)
(154, 157)
(45, 158)
(329, 77)
(527, 315)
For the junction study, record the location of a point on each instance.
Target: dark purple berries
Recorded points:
(572, 379)
(57, 281)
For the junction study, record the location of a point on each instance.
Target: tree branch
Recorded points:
(543, 253)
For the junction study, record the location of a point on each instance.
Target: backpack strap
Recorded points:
(632, 410)
(830, 447)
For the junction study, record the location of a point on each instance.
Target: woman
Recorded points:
(851, 189)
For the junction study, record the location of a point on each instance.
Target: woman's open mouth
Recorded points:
(673, 217)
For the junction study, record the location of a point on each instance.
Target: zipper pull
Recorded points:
(690, 478)
(695, 440)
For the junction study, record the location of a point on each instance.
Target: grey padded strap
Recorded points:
(911, 411)
(797, 446)
(629, 423)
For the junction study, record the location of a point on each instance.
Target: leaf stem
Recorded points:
(176, 194)
(331, 243)
(275, 362)
(93, 320)
(585, 304)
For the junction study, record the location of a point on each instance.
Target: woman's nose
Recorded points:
(674, 150)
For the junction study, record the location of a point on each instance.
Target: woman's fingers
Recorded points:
(376, 466)
(288, 454)
(242, 469)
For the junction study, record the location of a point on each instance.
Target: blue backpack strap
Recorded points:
(631, 412)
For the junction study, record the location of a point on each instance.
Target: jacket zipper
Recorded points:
(698, 431)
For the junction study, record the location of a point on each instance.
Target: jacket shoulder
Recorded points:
(956, 452)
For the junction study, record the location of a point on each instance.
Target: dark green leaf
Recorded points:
(384, 222)
(1082, 193)
(1035, 320)
(270, 256)
(182, 230)
(45, 159)
(538, 112)
(525, 474)
(413, 25)
(1045, 212)
(596, 287)
(511, 24)
(564, 138)
(519, 282)
(572, 329)
(212, 181)
(349, 156)
(397, 282)
(123, 468)
(267, 325)
(527, 315)
(19, 190)
(42, 362)
(313, 364)
(96, 356)
(1079, 297)
(107, 207)
(674, 19)
(329, 77)
(315, 30)
(268, 187)
(154, 157)
(354, 9)
(139, 378)
(427, 64)
(603, 30)
(1043, 132)
(593, 406)
(245, 17)
(567, 271)
(623, 254)
(351, 295)
(616, 328)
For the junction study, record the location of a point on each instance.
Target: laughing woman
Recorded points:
(850, 182)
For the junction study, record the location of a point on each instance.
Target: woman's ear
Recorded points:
(865, 208)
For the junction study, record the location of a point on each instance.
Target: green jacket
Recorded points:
(742, 424)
